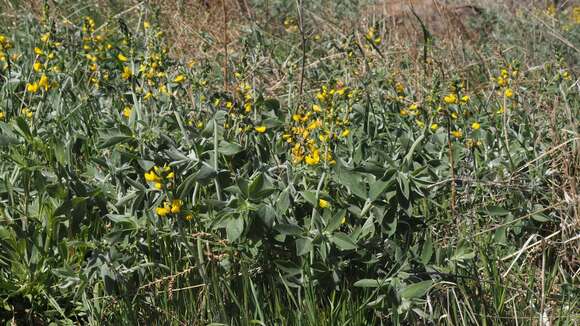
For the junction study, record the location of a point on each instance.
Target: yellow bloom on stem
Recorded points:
(179, 78)
(127, 73)
(345, 133)
(457, 133)
(122, 58)
(509, 93)
(465, 99)
(176, 206)
(316, 108)
(146, 25)
(27, 113)
(434, 126)
(188, 217)
(37, 66)
(158, 185)
(43, 82)
(152, 177)
(312, 159)
(38, 51)
(260, 129)
(163, 211)
(32, 88)
(127, 112)
(2, 115)
(450, 99)
(323, 203)
(475, 125)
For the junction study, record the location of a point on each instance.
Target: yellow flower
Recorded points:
(176, 206)
(121, 57)
(158, 185)
(179, 78)
(345, 133)
(2, 115)
(27, 113)
(163, 211)
(312, 159)
(147, 96)
(343, 220)
(316, 108)
(457, 133)
(501, 82)
(152, 177)
(420, 123)
(475, 125)
(37, 66)
(146, 25)
(32, 88)
(450, 99)
(127, 112)
(465, 99)
(188, 217)
(434, 126)
(509, 93)
(127, 73)
(323, 203)
(400, 88)
(43, 82)
(261, 129)
(38, 51)
(45, 37)
(500, 110)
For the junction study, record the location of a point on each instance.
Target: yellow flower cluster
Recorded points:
(240, 108)
(173, 207)
(504, 80)
(42, 84)
(312, 132)
(5, 45)
(161, 177)
(372, 37)
(26, 112)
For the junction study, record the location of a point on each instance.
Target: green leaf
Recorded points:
(303, 246)
(377, 188)
(343, 241)
(234, 228)
(336, 220)
(416, 290)
(353, 181)
(113, 140)
(205, 173)
(288, 229)
(6, 140)
(369, 283)
(310, 197)
(229, 149)
(283, 202)
(495, 211)
(426, 251)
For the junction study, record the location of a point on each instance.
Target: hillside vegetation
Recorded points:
(289, 163)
